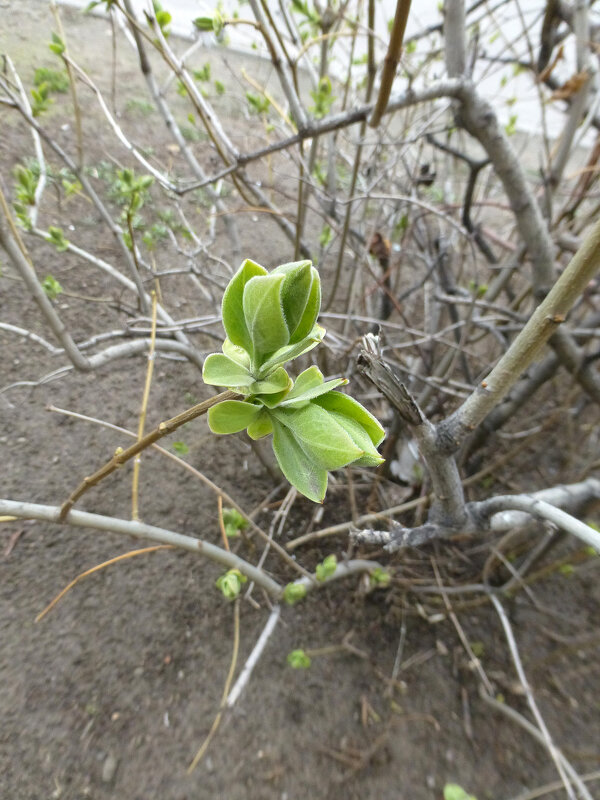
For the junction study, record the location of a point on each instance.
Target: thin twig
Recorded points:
(144, 408)
(236, 644)
(122, 456)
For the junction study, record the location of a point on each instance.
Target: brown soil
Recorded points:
(112, 693)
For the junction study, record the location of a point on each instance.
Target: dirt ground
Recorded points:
(113, 692)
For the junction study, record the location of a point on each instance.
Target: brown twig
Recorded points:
(390, 62)
(122, 456)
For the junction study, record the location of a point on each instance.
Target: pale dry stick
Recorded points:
(554, 786)
(56, 373)
(448, 88)
(474, 661)
(225, 147)
(122, 456)
(212, 486)
(72, 84)
(95, 260)
(32, 337)
(254, 656)
(416, 202)
(277, 59)
(478, 117)
(354, 178)
(227, 151)
(448, 507)
(390, 62)
(160, 177)
(552, 749)
(542, 509)
(12, 242)
(344, 527)
(141, 530)
(97, 568)
(280, 517)
(578, 102)
(524, 723)
(37, 144)
(142, 420)
(89, 189)
(236, 643)
(137, 42)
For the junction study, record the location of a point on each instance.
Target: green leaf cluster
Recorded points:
(233, 522)
(230, 584)
(131, 189)
(270, 319)
(163, 18)
(293, 593)
(55, 80)
(452, 791)
(51, 287)
(40, 99)
(24, 189)
(298, 659)
(323, 98)
(57, 238)
(257, 103)
(57, 46)
(326, 568)
(214, 24)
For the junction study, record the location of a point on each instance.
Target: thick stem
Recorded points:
(390, 62)
(542, 324)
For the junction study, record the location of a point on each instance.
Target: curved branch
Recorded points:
(139, 530)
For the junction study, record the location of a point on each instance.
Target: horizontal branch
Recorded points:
(334, 122)
(485, 515)
(139, 530)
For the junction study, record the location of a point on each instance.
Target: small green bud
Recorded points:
(294, 592)
(326, 568)
(380, 577)
(230, 584)
(298, 659)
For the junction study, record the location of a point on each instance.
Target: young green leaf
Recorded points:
(219, 370)
(349, 407)
(299, 469)
(233, 522)
(57, 238)
(261, 426)
(237, 354)
(361, 439)
(231, 416)
(295, 291)
(452, 791)
(308, 385)
(277, 382)
(51, 287)
(322, 439)
(264, 314)
(234, 320)
(291, 351)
